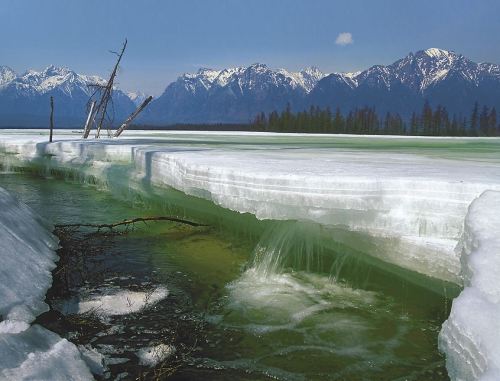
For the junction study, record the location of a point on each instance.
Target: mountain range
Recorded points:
(25, 98)
(236, 95)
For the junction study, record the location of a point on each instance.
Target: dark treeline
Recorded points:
(195, 127)
(482, 121)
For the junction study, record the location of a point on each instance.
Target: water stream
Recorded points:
(266, 300)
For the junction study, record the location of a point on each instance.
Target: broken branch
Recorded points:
(129, 222)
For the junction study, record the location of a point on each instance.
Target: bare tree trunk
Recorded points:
(133, 116)
(108, 90)
(90, 121)
(51, 118)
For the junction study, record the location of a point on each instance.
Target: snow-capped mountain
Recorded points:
(440, 76)
(24, 99)
(7, 75)
(231, 95)
(238, 94)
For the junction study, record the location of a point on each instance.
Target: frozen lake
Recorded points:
(324, 212)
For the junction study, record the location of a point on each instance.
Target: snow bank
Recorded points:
(27, 256)
(470, 337)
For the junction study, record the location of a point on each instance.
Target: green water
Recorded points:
(279, 302)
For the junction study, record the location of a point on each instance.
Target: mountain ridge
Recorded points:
(436, 75)
(238, 94)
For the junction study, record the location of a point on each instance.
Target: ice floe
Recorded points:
(111, 302)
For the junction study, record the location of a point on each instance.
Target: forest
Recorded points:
(481, 121)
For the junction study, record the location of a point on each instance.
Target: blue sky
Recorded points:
(167, 38)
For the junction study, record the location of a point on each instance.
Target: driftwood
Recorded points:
(133, 116)
(130, 222)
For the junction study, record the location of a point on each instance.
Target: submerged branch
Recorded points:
(129, 222)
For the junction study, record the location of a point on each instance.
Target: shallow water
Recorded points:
(277, 303)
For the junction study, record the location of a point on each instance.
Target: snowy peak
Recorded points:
(438, 53)
(52, 78)
(136, 96)
(255, 76)
(420, 71)
(428, 67)
(305, 79)
(7, 75)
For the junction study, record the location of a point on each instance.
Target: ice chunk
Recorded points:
(38, 354)
(115, 302)
(470, 337)
(151, 356)
(93, 358)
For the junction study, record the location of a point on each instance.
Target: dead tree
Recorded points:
(99, 109)
(51, 118)
(90, 120)
(107, 92)
(133, 116)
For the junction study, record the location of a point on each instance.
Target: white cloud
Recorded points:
(344, 38)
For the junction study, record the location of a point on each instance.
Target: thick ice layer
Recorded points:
(470, 337)
(27, 258)
(27, 255)
(411, 202)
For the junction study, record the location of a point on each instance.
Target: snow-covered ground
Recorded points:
(29, 352)
(409, 195)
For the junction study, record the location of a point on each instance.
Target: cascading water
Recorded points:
(296, 301)
(288, 245)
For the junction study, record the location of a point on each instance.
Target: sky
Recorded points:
(168, 38)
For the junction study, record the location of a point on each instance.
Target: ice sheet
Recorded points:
(410, 195)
